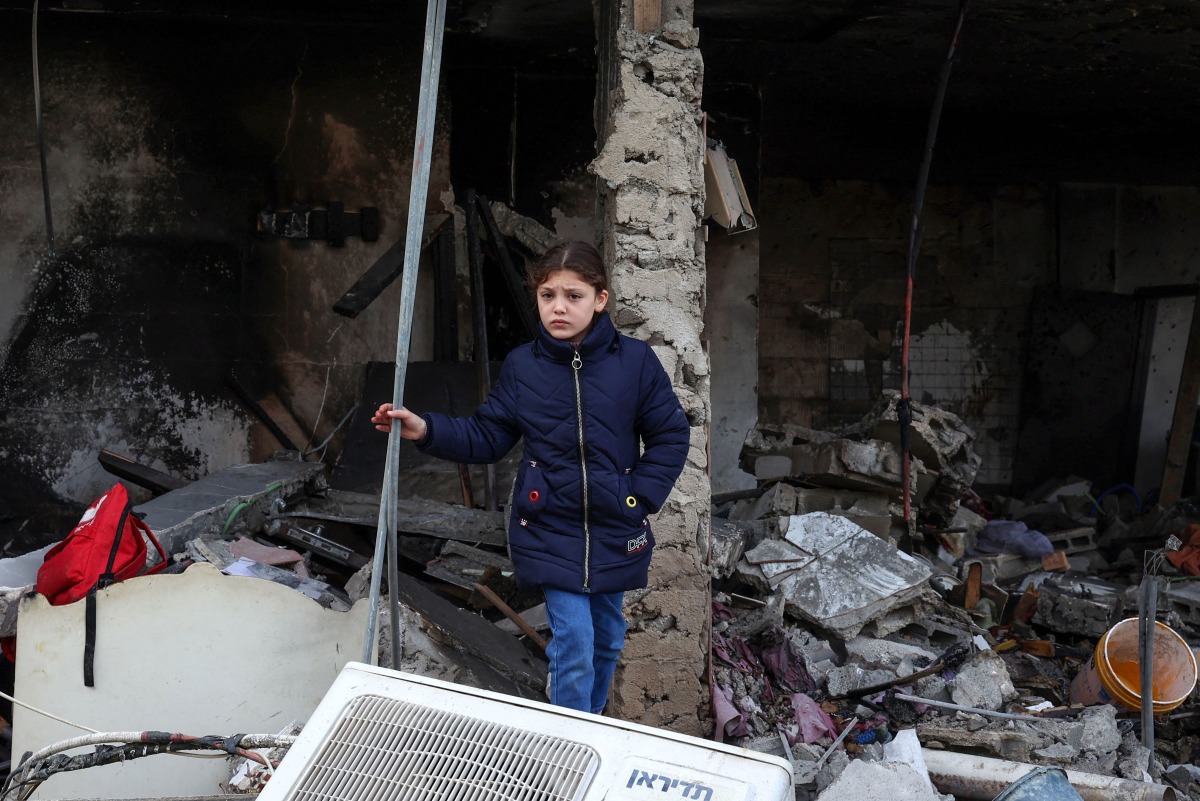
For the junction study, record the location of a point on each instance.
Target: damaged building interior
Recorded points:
(204, 214)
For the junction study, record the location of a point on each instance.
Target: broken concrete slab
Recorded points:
(1100, 732)
(841, 681)
(830, 460)
(431, 518)
(226, 501)
(850, 576)
(1010, 742)
(1071, 604)
(869, 510)
(887, 655)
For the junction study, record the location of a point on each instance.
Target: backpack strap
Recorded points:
(89, 613)
(108, 577)
(89, 639)
(145, 530)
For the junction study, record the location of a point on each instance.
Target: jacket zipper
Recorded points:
(576, 364)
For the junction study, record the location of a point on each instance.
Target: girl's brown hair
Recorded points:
(582, 257)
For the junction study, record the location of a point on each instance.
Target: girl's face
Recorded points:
(567, 304)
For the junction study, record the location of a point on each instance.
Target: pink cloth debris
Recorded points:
(730, 722)
(814, 722)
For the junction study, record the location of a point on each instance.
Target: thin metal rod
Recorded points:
(912, 699)
(41, 135)
(386, 540)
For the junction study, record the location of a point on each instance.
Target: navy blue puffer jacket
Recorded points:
(605, 438)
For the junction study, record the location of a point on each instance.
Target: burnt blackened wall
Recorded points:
(165, 139)
(831, 301)
(1051, 380)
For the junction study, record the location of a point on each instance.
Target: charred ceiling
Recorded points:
(1082, 89)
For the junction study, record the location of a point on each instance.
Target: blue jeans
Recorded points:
(588, 635)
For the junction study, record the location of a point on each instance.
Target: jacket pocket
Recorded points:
(632, 509)
(531, 498)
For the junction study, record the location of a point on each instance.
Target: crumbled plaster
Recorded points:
(651, 171)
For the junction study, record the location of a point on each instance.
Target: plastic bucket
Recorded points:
(1041, 784)
(1113, 676)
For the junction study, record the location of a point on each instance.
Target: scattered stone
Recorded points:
(1133, 759)
(1100, 732)
(1057, 754)
(1185, 778)
(983, 682)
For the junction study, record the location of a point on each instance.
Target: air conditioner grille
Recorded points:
(383, 749)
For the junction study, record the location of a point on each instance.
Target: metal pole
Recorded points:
(385, 538)
(1147, 614)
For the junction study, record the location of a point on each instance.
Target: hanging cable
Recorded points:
(904, 405)
(41, 136)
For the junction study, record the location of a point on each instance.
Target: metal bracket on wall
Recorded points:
(332, 223)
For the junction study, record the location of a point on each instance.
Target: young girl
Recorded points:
(604, 440)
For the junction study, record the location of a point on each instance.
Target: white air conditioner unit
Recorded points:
(380, 735)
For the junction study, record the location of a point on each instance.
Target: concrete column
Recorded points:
(650, 201)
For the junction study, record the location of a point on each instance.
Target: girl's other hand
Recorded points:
(412, 426)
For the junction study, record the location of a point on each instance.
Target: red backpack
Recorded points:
(108, 545)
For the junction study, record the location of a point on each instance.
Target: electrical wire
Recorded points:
(904, 405)
(38, 767)
(345, 419)
(44, 713)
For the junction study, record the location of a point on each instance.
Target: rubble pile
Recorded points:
(838, 629)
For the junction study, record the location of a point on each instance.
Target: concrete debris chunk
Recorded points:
(1100, 732)
(729, 540)
(1183, 599)
(779, 500)
(941, 441)
(983, 682)
(1074, 605)
(880, 781)
(887, 655)
(828, 459)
